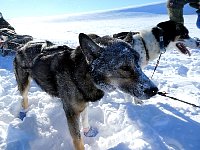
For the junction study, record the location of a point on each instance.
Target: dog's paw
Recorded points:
(22, 114)
(92, 132)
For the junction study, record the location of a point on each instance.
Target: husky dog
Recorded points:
(81, 75)
(150, 43)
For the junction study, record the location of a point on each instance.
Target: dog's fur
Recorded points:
(81, 75)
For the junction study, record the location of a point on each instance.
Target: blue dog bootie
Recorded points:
(22, 114)
(92, 132)
(198, 18)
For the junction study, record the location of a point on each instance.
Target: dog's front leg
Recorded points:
(73, 123)
(88, 130)
(84, 118)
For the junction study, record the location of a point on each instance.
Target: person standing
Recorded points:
(175, 10)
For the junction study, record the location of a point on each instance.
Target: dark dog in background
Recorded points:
(81, 75)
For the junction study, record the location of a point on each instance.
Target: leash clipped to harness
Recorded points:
(162, 49)
(164, 94)
(158, 61)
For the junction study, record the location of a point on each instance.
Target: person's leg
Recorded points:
(198, 18)
(176, 15)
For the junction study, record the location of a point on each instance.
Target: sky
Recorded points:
(25, 8)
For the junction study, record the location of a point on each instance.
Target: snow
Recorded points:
(158, 124)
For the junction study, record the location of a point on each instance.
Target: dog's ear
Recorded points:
(89, 48)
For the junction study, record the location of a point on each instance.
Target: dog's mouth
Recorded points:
(183, 49)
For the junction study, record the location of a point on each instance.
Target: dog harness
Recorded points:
(162, 48)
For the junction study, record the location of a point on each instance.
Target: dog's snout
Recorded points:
(197, 40)
(198, 43)
(151, 91)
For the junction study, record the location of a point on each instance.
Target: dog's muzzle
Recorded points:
(197, 41)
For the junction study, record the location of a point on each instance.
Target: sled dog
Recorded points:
(81, 75)
(150, 43)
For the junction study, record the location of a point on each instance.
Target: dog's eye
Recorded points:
(184, 36)
(125, 68)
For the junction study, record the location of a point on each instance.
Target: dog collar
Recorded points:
(146, 50)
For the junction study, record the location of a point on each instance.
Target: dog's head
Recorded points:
(176, 35)
(115, 66)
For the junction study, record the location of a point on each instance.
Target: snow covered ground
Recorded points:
(158, 124)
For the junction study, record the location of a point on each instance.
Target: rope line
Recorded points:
(165, 95)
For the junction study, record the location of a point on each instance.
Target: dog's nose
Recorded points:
(151, 91)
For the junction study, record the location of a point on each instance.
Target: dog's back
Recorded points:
(44, 69)
(42, 54)
(48, 65)
(27, 53)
